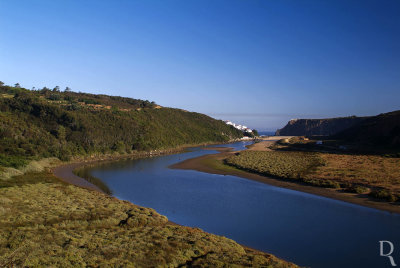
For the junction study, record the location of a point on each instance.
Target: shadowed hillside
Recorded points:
(320, 127)
(381, 130)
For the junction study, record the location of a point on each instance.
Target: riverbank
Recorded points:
(214, 164)
(66, 173)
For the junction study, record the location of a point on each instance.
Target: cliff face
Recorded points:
(324, 127)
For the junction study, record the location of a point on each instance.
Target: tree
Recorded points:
(67, 89)
(56, 89)
(44, 90)
(1, 83)
(61, 133)
(255, 132)
(17, 85)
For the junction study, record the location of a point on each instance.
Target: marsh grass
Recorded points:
(375, 175)
(44, 222)
(288, 165)
(363, 174)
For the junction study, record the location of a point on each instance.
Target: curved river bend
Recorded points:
(306, 229)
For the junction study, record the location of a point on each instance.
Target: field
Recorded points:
(377, 176)
(288, 165)
(44, 222)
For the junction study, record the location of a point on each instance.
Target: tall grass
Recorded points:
(7, 173)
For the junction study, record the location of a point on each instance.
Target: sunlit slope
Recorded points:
(46, 123)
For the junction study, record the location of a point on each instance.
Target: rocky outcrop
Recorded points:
(322, 127)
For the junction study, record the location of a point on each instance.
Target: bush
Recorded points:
(55, 97)
(358, 189)
(12, 161)
(384, 195)
(323, 183)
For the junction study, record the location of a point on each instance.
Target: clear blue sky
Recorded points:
(258, 63)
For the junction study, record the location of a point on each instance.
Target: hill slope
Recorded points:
(323, 127)
(383, 129)
(46, 123)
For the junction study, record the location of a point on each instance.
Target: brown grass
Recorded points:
(377, 176)
(375, 172)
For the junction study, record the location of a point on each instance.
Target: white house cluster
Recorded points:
(240, 127)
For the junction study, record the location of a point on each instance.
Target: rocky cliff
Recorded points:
(324, 127)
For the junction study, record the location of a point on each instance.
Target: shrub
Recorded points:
(323, 183)
(12, 161)
(359, 189)
(384, 195)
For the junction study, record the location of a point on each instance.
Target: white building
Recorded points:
(240, 127)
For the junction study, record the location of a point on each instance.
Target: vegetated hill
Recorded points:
(320, 127)
(380, 130)
(46, 123)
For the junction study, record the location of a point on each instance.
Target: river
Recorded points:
(306, 229)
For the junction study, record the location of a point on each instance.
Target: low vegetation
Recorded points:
(288, 165)
(44, 222)
(377, 176)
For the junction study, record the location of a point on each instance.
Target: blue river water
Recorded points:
(306, 229)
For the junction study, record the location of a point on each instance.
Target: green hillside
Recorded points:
(50, 123)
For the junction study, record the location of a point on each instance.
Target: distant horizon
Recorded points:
(255, 63)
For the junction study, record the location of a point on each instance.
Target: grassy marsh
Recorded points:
(45, 222)
(377, 176)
